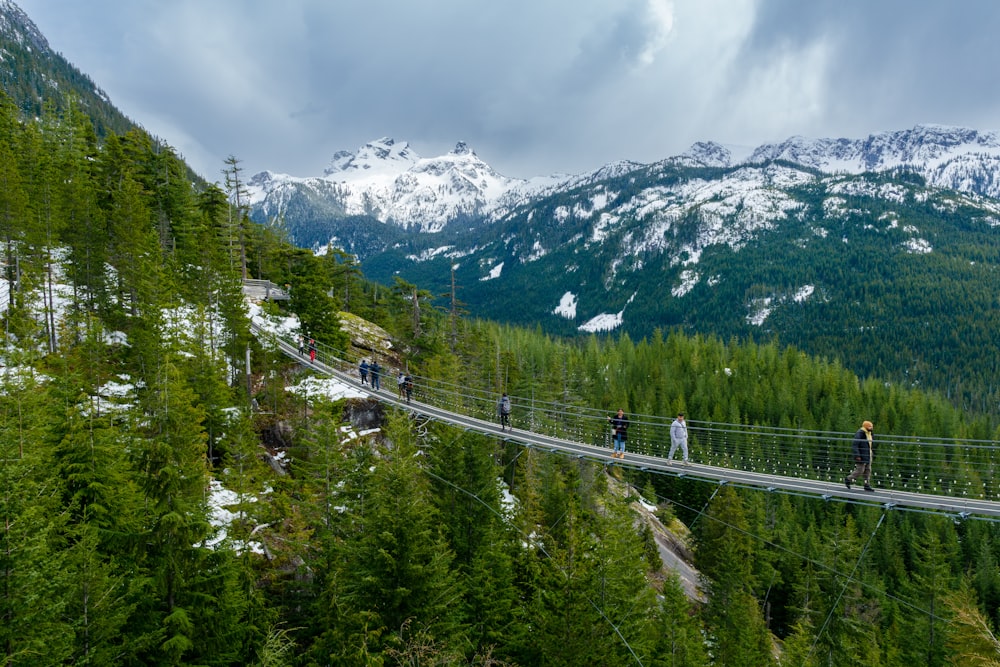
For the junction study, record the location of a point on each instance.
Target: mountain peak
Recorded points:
(382, 156)
(462, 148)
(17, 26)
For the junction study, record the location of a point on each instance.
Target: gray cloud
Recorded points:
(533, 87)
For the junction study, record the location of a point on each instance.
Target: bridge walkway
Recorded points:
(649, 459)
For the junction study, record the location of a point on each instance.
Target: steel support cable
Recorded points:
(758, 538)
(697, 516)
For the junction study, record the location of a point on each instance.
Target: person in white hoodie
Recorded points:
(679, 437)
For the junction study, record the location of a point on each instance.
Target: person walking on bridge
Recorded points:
(679, 437)
(408, 387)
(375, 371)
(503, 410)
(862, 449)
(363, 371)
(619, 429)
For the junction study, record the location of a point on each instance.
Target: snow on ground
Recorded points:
(689, 278)
(917, 246)
(219, 500)
(603, 322)
(494, 273)
(313, 388)
(283, 327)
(761, 308)
(803, 293)
(567, 306)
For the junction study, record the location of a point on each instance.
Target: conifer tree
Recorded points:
(679, 641)
(972, 641)
(395, 576)
(194, 605)
(33, 626)
(931, 580)
(725, 557)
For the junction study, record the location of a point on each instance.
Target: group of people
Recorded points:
(862, 446)
(404, 385)
(619, 434)
(371, 374)
(307, 344)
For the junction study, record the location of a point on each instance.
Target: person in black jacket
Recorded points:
(862, 449)
(619, 428)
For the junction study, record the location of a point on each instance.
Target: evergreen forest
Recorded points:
(132, 386)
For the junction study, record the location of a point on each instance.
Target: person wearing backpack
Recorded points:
(503, 411)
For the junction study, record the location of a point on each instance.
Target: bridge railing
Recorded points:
(940, 466)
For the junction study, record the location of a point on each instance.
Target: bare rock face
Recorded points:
(277, 435)
(365, 414)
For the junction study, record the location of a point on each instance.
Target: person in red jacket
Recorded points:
(862, 449)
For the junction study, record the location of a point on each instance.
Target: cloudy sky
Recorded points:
(533, 86)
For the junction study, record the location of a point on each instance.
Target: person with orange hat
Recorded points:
(862, 449)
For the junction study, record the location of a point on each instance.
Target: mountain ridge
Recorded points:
(387, 180)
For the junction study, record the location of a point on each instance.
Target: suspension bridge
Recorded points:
(938, 475)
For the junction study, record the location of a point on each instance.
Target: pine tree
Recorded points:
(679, 640)
(725, 557)
(394, 579)
(194, 604)
(971, 640)
(34, 628)
(931, 581)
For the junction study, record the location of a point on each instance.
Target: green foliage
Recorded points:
(403, 545)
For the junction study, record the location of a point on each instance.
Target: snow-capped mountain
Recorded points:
(949, 157)
(807, 240)
(387, 180)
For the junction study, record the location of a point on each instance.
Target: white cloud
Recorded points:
(534, 88)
